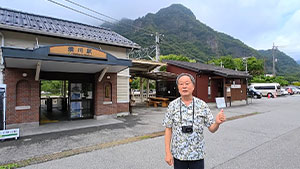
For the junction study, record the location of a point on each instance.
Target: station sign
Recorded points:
(77, 51)
(11, 133)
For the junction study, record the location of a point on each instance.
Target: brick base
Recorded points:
(123, 107)
(28, 89)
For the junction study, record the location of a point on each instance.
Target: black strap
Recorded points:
(181, 113)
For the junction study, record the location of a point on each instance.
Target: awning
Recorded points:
(64, 58)
(143, 66)
(166, 76)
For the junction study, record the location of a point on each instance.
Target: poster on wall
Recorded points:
(76, 110)
(75, 91)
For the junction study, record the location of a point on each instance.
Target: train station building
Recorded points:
(92, 62)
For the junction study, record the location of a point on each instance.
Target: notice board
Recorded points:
(220, 101)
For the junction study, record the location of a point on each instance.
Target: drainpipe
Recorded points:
(2, 44)
(2, 61)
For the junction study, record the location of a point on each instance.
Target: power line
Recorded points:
(119, 21)
(60, 4)
(91, 10)
(103, 20)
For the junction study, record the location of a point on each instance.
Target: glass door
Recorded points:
(81, 100)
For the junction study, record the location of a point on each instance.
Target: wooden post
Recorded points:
(147, 94)
(65, 88)
(141, 89)
(224, 91)
(246, 91)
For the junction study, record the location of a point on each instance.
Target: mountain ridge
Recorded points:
(185, 35)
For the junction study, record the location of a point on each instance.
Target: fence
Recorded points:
(136, 96)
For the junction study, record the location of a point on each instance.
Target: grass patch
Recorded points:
(144, 137)
(10, 166)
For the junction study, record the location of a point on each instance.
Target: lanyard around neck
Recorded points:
(193, 112)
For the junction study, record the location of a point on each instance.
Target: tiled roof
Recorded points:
(26, 22)
(200, 67)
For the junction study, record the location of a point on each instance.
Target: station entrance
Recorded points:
(70, 98)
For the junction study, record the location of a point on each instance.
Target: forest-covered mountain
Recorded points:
(298, 61)
(284, 65)
(184, 35)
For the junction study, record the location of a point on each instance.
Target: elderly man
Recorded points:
(184, 121)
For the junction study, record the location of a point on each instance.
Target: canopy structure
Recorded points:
(63, 58)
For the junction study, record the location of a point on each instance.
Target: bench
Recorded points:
(150, 102)
(163, 101)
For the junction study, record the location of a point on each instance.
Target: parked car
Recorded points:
(254, 93)
(284, 92)
(266, 89)
(296, 90)
(289, 90)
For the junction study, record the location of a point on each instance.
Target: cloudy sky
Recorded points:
(258, 23)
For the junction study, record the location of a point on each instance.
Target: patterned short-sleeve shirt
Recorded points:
(188, 146)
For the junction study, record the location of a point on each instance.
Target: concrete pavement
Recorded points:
(266, 140)
(147, 121)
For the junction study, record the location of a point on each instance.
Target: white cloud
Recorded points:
(258, 23)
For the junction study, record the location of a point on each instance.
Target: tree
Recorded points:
(226, 61)
(255, 66)
(53, 86)
(267, 79)
(135, 84)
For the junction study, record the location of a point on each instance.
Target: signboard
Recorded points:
(235, 86)
(77, 51)
(228, 91)
(11, 133)
(220, 102)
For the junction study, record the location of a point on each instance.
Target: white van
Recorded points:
(267, 88)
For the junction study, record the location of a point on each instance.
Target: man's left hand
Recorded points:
(220, 118)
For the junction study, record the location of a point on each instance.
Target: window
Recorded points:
(107, 92)
(264, 87)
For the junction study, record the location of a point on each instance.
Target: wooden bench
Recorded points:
(151, 102)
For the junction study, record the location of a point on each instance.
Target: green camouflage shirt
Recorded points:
(188, 146)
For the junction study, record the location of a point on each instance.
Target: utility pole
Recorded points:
(157, 53)
(273, 54)
(245, 59)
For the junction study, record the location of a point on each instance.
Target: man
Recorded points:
(184, 121)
